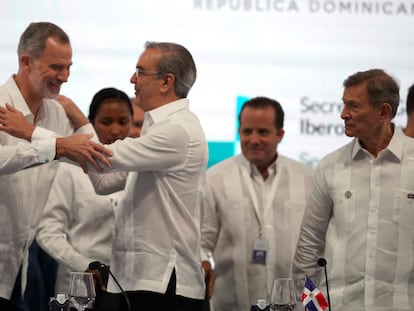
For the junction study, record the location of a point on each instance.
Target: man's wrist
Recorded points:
(206, 265)
(60, 147)
(28, 133)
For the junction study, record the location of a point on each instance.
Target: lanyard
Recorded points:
(269, 198)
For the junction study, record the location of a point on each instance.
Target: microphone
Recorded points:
(322, 263)
(97, 265)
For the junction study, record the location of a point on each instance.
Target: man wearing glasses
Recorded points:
(156, 250)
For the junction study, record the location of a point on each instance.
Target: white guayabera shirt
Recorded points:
(237, 206)
(361, 218)
(77, 224)
(158, 225)
(23, 192)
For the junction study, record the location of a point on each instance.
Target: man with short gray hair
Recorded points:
(156, 251)
(360, 213)
(28, 109)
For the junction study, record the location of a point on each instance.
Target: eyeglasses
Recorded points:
(139, 72)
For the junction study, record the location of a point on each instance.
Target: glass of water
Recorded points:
(81, 289)
(283, 296)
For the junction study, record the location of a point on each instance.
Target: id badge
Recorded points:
(260, 248)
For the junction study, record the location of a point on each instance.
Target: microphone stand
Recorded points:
(327, 289)
(322, 262)
(96, 265)
(125, 294)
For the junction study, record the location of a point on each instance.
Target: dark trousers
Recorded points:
(41, 278)
(16, 302)
(150, 301)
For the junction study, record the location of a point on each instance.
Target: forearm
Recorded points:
(108, 183)
(57, 246)
(61, 148)
(78, 119)
(26, 133)
(14, 158)
(73, 112)
(310, 246)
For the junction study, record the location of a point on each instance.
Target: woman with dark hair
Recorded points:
(76, 227)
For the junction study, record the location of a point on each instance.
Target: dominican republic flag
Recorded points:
(312, 298)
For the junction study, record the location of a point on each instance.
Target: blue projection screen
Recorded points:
(298, 52)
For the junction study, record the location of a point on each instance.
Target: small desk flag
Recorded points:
(312, 297)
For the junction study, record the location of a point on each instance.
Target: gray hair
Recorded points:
(177, 60)
(33, 39)
(380, 87)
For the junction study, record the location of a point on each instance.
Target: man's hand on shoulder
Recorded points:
(13, 122)
(73, 112)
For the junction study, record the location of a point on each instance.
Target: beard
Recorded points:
(41, 85)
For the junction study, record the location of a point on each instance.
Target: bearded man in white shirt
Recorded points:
(27, 100)
(252, 210)
(360, 213)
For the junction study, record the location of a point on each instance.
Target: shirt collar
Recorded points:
(252, 169)
(18, 100)
(162, 112)
(395, 145)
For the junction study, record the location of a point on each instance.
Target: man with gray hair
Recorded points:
(28, 109)
(156, 253)
(360, 213)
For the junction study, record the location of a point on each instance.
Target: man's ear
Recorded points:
(168, 82)
(25, 61)
(280, 133)
(385, 110)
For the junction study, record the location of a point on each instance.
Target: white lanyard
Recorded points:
(270, 195)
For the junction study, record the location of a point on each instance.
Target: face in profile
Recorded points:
(51, 69)
(361, 119)
(112, 120)
(258, 135)
(147, 81)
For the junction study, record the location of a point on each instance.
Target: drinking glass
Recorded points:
(283, 297)
(81, 289)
